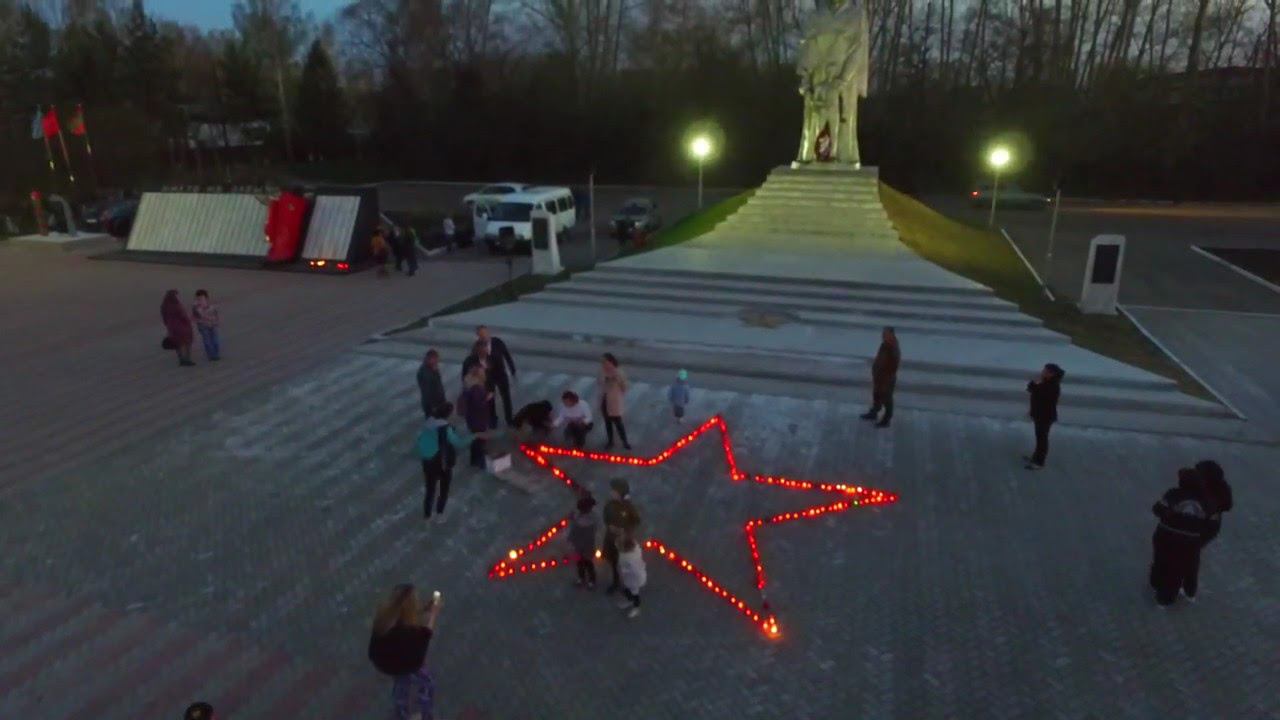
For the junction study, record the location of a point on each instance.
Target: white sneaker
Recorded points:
(633, 613)
(1183, 593)
(622, 603)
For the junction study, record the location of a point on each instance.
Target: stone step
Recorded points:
(808, 225)
(917, 386)
(798, 292)
(906, 326)
(652, 331)
(770, 281)
(991, 314)
(814, 213)
(799, 242)
(833, 203)
(800, 192)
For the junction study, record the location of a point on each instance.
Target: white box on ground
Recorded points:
(499, 463)
(1102, 275)
(545, 249)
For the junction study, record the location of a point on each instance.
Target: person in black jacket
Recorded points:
(1216, 498)
(501, 367)
(430, 384)
(1178, 537)
(1044, 392)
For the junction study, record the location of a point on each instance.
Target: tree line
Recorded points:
(1155, 98)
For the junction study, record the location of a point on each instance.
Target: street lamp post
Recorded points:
(997, 159)
(700, 148)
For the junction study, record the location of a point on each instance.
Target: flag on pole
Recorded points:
(75, 125)
(49, 123)
(37, 123)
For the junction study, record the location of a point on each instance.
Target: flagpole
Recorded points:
(66, 156)
(88, 146)
(48, 151)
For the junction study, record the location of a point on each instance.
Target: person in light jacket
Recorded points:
(438, 445)
(631, 564)
(678, 395)
(613, 387)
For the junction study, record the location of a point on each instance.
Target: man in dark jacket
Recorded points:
(429, 383)
(884, 377)
(1044, 392)
(620, 520)
(502, 367)
(1216, 499)
(1178, 538)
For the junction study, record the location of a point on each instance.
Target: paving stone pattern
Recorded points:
(238, 558)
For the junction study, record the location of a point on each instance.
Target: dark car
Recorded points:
(636, 214)
(1009, 196)
(117, 220)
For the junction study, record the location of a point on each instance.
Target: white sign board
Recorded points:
(1102, 275)
(542, 239)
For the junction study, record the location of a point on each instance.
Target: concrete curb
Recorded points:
(1236, 269)
(1186, 368)
(1047, 292)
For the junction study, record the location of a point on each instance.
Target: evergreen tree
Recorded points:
(322, 114)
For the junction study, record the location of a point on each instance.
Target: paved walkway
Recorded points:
(269, 529)
(84, 373)
(1235, 353)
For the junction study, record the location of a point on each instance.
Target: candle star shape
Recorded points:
(840, 497)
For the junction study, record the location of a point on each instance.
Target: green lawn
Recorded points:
(987, 258)
(691, 226)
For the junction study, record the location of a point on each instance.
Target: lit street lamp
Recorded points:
(700, 148)
(997, 159)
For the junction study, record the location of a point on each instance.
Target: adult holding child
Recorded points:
(402, 630)
(177, 324)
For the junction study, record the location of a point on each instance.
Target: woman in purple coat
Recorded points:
(475, 405)
(177, 325)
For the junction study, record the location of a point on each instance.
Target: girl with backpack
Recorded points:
(398, 647)
(438, 445)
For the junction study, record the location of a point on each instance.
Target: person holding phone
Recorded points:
(402, 630)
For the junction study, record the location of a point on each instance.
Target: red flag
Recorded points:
(75, 125)
(50, 122)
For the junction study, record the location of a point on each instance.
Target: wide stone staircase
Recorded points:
(788, 296)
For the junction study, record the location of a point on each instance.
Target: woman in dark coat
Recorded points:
(177, 325)
(475, 406)
(1044, 392)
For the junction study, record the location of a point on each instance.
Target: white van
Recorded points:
(506, 222)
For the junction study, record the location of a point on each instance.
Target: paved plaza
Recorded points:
(239, 557)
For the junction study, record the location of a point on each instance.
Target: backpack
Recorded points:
(447, 454)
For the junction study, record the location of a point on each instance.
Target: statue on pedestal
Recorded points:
(833, 63)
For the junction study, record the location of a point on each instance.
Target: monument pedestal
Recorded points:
(828, 166)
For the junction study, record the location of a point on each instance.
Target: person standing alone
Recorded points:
(430, 385)
(884, 377)
(502, 368)
(1044, 392)
(613, 388)
(398, 647)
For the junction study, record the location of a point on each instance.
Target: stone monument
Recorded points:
(833, 63)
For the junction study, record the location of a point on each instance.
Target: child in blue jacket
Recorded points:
(678, 394)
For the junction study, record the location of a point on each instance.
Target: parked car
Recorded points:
(1010, 196)
(117, 220)
(636, 214)
(494, 191)
(508, 225)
